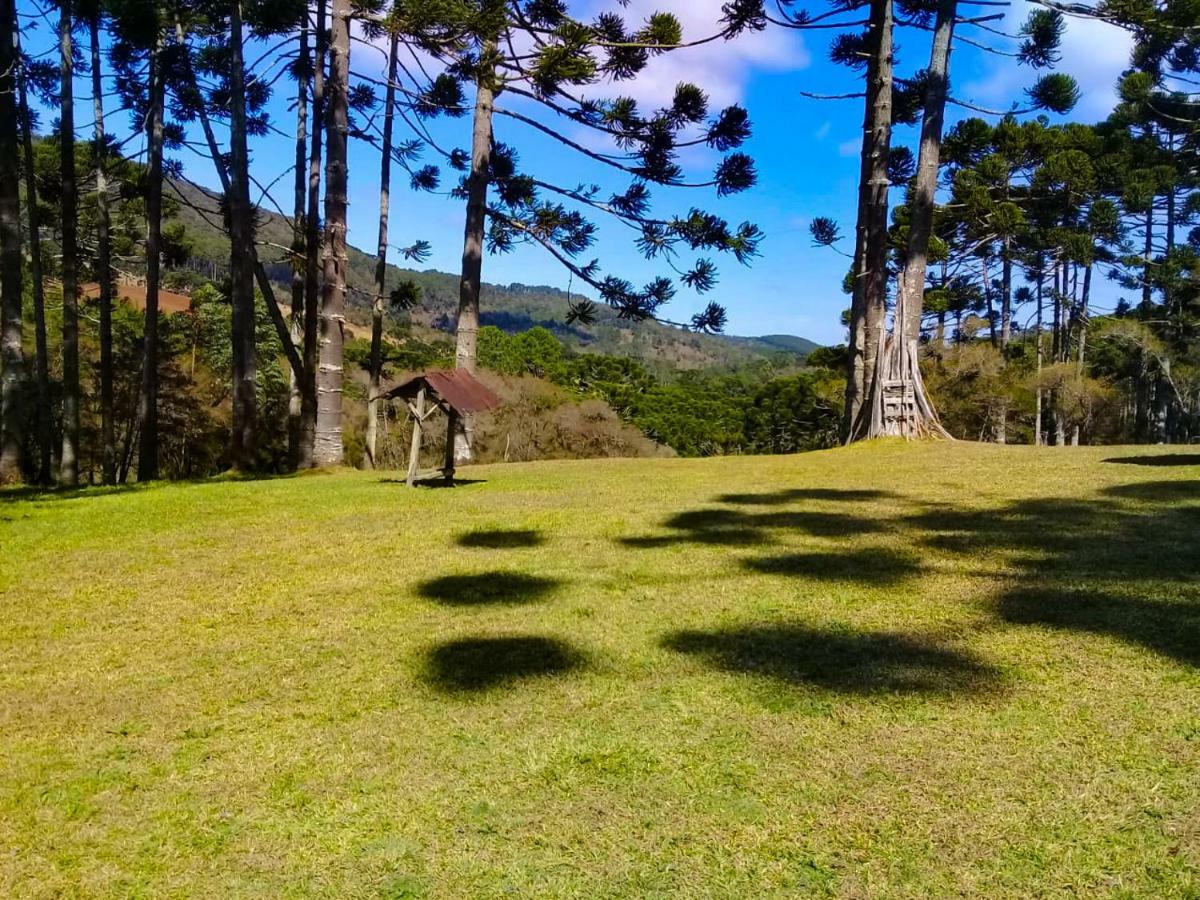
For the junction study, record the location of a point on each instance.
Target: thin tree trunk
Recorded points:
(299, 257)
(1037, 422)
(1006, 272)
(1148, 254)
(328, 450)
(260, 273)
(993, 337)
(385, 177)
(241, 258)
(108, 441)
(69, 459)
(148, 401)
(1059, 287)
(45, 416)
(1083, 318)
(467, 332)
(312, 249)
(868, 305)
(928, 160)
(12, 357)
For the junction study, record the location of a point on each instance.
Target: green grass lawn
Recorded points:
(888, 671)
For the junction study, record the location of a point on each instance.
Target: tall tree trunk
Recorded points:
(328, 450)
(45, 416)
(1037, 422)
(1006, 273)
(1006, 269)
(385, 179)
(108, 440)
(987, 296)
(1083, 318)
(299, 256)
(868, 304)
(467, 332)
(12, 358)
(260, 273)
(1082, 342)
(1059, 287)
(1148, 254)
(148, 401)
(241, 257)
(313, 249)
(929, 153)
(69, 460)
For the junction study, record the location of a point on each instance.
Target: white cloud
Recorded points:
(852, 147)
(721, 68)
(823, 132)
(1094, 52)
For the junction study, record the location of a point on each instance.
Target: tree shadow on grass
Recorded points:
(870, 566)
(480, 664)
(841, 661)
(734, 527)
(791, 495)
(501, 538)
(1156, 491)
(1169, 628)
(435, 481)
(1158, 459)
(485, 588)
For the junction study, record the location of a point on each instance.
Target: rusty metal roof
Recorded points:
(461, 390)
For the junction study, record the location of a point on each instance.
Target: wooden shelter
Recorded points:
(456, 392)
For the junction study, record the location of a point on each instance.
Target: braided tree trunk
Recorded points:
(897, 403)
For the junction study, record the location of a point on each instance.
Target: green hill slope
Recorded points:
(894, 670)
(515, 307)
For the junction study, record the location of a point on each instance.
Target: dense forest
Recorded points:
(153, 328)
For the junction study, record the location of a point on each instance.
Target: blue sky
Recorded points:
(806, 151)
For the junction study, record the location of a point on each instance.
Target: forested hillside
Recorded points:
(513, 307)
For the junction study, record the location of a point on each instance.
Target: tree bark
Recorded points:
(1006, 272)
(299, 256)
(920, 226)
(12, 357)
(148, 401)
(45, 416)
(467, 331)
(385, 178)
(69, 459)
(1083, 318)
(312, 249)
(328, 450)
(868, 304)
(1037, 422)
(1148, 254)
(985, 277)
(108, 441)
(242, 255)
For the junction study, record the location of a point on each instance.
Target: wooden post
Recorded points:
(414, 454)
(451, 428)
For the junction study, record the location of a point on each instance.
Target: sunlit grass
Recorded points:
(885, 671)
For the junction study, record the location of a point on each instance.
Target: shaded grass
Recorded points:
(893, 670)
(475, 664)
(837, 661)
(486, 587)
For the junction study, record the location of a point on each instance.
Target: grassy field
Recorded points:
(888, 671)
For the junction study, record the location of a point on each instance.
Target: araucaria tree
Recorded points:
(548, 62)
(884, 393)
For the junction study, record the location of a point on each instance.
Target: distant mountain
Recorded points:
(513, 307)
